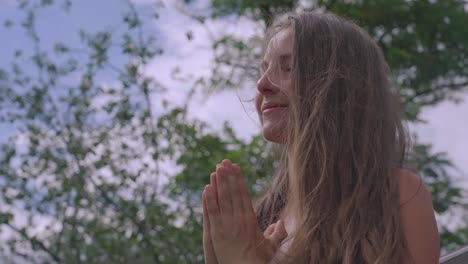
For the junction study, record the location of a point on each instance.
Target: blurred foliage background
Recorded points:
(80, 179)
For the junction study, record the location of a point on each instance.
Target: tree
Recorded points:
(84, 170)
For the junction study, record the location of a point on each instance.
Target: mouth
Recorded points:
(273, 109)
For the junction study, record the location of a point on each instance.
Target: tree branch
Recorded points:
(451, 87)
(35, 242)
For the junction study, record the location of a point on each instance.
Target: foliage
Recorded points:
(103, 171)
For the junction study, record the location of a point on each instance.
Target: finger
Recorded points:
(246, 202)
(213, 179)
(224, 196)
(206, 219)
(247, 209)
(234, 187)
(213, 183)
(208, 249)
(279, 234)
(212, 208)
(269, 230)
(226, 162)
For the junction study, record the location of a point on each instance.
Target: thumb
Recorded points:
(279, 233)
(269, 231)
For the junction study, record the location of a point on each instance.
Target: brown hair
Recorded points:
(338, 171)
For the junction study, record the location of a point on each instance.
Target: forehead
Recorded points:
(281, 43)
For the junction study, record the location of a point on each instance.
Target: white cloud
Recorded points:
(226, 106)
(447, 130)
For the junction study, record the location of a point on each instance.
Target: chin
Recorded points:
(274, 136)
(274, 129)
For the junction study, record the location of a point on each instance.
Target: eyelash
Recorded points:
(264, 68)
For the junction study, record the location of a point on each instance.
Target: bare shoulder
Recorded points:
(410, 184)
(418, 219)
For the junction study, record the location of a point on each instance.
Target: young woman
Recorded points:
(340, 193)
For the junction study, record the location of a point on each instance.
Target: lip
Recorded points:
(272, 109)
(267, 106)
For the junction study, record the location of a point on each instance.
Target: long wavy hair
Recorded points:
(338, 170)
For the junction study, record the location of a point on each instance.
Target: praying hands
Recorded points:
(231, 234)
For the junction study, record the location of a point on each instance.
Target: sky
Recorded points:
(446, 127)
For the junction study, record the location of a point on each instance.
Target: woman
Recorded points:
(340, 192)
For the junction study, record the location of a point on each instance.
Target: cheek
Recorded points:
(288, 89)
(258, 103)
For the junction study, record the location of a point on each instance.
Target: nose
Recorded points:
(265, 86)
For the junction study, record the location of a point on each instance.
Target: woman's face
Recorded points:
(275, 83)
